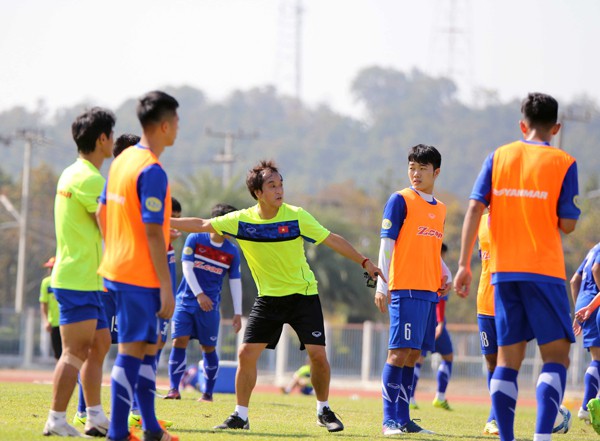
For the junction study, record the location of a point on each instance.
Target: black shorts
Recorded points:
(56, 341)
(303, 313)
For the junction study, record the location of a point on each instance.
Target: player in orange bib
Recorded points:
(411, 241)
(531, 188)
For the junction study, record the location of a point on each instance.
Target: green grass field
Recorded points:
(24, 407)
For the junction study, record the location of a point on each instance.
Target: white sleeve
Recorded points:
(385, 257)
(190, 277)
(235, 286)
(446, 272)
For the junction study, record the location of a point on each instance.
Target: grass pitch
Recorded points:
(24, 408)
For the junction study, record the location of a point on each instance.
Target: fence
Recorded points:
(356, 352)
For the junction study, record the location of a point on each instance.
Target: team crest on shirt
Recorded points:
(386, 224)
(431, 216)
(153, 204)
(188, 251)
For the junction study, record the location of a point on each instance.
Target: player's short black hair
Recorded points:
(124, 141)
(255, 176)
(425, 154)
(88, 127)
(155, 106)
(540, 110)
(444, 248)
(175, 205)
(222, 209)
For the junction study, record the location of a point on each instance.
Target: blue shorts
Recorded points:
(412, 323)
(527, 310)
(589, 328)
(443, 344)
(197, 324)
(110, 309)
(78, 306)
(136, 315)
(487, 334)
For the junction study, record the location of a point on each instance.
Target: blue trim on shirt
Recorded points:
(152, 183)
(482, 189)
(118, 286)
(525, 277)
(568, 192)
(271, 232)
(429, 296)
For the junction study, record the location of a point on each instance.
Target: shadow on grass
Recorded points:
(246, 433)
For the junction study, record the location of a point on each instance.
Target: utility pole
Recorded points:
(30, 137)
(226, 157)
(569, 115)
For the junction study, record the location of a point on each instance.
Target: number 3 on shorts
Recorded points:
(407, 332)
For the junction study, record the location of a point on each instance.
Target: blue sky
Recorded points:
(66, 51)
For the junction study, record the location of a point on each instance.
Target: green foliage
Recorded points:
(275, 417)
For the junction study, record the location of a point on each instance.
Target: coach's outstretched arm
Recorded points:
(462, 281)
(341, 246)
(192, 225)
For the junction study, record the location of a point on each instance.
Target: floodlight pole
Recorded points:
(227, 158)
(23, 226)
(30, 138)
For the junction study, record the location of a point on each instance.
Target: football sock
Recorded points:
(95, 414)
(242, 412)
(402, 408)
(443, 377)
(504, 392)
(177, 362)
(81, 404)
(549, 392)
(591, 383)
(416, 376)
(146, 391)
(391, 379)
(211, 370)
(492, 415)
(321, 405)
(123, 379)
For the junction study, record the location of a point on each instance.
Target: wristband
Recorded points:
(364, 261)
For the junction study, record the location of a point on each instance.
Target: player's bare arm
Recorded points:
(575, 285)
(192, 225)
(101, 218)
(463, 278)
(341, 246)
(567, 226)
(156, 245)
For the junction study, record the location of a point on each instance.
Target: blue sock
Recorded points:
(123, 379)
(549, 393)
(135, 407)
(146, 391)
(416, 376)
(492, 415)
(591, 383)
(402, 410)
(504, 392)
(211, 370)
(177, 366)
(391, 380)
(443, 375)
(81, 406)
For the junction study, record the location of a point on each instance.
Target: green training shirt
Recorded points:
(47, 296)
(78, 239)
(274, 248)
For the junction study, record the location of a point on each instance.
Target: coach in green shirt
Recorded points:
(271, 235)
